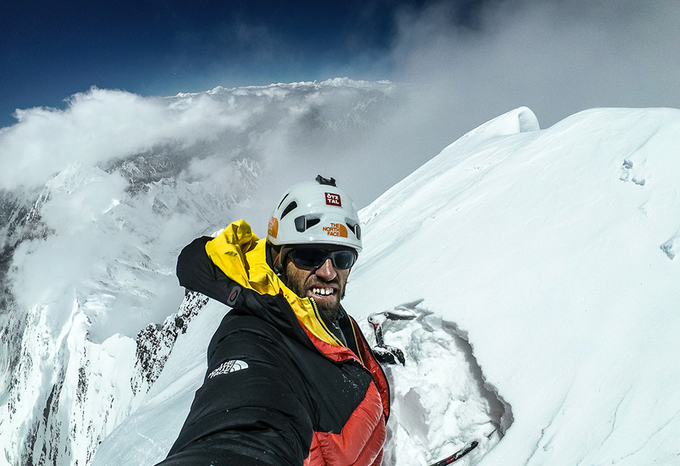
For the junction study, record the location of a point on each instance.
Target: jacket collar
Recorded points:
(241, 255)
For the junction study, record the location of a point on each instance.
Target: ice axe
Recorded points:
(388, 354)
(457, 455)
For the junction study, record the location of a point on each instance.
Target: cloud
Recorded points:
(129, 180)
(99, 126)
(556, 57)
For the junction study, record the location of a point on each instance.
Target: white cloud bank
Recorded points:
(558, 58)
(99, 126)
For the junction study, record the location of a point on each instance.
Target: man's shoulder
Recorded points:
(239, 320)
(247, 334)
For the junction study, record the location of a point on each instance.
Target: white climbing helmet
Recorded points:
(315, 212)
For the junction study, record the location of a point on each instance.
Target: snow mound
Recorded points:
(519, 120)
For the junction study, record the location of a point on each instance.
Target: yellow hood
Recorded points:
(241, 255)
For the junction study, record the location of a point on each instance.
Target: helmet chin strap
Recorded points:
(275, 260)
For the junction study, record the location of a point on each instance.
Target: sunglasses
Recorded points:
(313, 258)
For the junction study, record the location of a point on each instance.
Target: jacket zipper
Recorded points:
(323, 324)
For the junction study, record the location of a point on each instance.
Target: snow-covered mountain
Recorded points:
(95, 203)
(539, 263)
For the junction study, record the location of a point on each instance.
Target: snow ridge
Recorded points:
(155, 342)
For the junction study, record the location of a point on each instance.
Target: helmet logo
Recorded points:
(333, 199)
(336, 229)
(273, 228)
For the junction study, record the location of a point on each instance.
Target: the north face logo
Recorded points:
(336, 229)
(333, 199)
(273, 228)
(229, 366)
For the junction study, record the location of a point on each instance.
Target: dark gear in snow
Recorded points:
(387, 354)
(457, 455)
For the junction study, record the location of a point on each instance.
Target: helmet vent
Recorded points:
(356, 229)
(292, 206)
(302, 223)
(282, 201)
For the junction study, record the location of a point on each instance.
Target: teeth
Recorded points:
(322, 291)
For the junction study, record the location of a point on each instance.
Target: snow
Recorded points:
(433, 413)
(539, 248)
(544, 249)
(540, 265)
(147, 435)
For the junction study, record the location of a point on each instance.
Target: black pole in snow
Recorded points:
(457, 455)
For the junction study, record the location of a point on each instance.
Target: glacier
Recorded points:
(540, 263)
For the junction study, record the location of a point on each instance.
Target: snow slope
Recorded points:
(549, 257)
(554, 252)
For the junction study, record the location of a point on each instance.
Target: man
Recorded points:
(291, 379)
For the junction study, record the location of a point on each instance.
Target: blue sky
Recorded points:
(50, 50)
(481, 56)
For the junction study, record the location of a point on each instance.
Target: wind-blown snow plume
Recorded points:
(556, 57)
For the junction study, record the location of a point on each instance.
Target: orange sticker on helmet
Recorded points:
(336, 229)
(333, 199)
(273, 229)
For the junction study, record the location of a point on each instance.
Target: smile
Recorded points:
(323, 291)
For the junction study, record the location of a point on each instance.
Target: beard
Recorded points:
(330, 310)
(300, 288)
